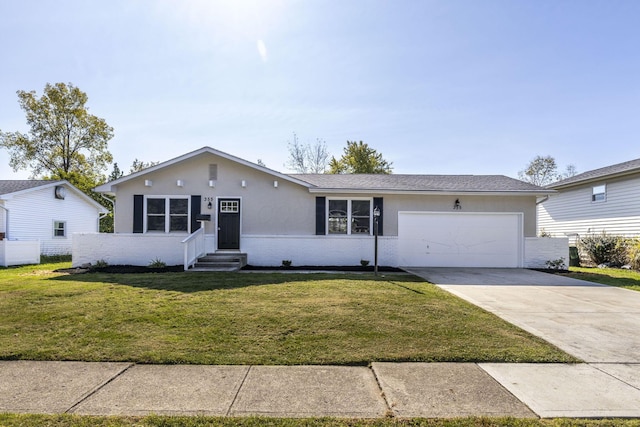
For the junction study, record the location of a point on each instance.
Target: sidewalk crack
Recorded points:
(390, 411)
(233, 402)
(97, 389)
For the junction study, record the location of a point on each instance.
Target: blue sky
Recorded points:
(438, 87)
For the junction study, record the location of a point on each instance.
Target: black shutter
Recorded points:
(196, 203)
(138, 213)
(321, 209)
(377, 202)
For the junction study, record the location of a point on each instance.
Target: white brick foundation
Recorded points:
(141, 249)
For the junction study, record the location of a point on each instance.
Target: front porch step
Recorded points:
(220, 262)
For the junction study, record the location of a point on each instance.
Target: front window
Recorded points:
(338, 216)
(599, 193)
(59, 229)
(349, 217)
(165, 214)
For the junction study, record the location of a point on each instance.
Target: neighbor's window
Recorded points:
(59, 229)
(349, 216)
(166, 214)
(599, 193)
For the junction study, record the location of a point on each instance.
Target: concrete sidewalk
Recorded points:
(397, 389)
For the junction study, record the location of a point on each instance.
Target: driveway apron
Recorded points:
(596, 323)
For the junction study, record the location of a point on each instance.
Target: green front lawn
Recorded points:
(254, 318)
(628, 279)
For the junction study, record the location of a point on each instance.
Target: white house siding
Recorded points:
(32, 214)
(285, 209)
(571, 212)
(479, 204)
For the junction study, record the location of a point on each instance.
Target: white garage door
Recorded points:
(436, 239)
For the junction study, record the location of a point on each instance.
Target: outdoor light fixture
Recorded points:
(376, 216)
(243, 183)
(212, 183)
(456, 205)
(209, 205)
(148, 183)
(180, 183)
(275, 184)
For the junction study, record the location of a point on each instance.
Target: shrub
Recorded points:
(556, 264)
(605, 249)
(157, 263)
(633, 254)
(286, 263)
(101, 264)
(364, 262)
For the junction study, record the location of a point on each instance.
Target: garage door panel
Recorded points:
(460, 239)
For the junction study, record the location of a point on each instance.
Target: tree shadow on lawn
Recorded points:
(208, 281)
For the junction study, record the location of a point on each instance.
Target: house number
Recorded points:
(209, 199)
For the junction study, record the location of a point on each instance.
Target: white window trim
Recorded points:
(167, 215)
(604, 193)
(349, 218)
(64, 229)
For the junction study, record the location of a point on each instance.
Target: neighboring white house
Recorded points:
(425, 220)
(39, 217)
(601, 200)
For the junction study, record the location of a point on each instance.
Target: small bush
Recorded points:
(364, 262)
(286, 263)
(633, 254)
(157, 263)
(556, 264)
(545, 233)
(101, 263)
(605, 249)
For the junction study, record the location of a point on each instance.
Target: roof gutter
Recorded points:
(544, 199)
(430, 192)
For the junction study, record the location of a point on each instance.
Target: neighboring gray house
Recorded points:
(39, 217)
(425, 220)
(601, 200)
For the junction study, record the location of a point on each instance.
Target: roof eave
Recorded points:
(432, 192)
(561, 186)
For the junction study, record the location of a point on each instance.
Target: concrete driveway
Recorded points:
(596, 323)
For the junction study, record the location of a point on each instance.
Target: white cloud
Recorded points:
(262, 50)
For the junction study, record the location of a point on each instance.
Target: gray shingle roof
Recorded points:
(609, 171)
(14, 185)
(442, 183)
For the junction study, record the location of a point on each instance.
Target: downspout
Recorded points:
(6, 223)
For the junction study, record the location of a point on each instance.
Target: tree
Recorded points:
(64, 140)
(139, 165)
(544, 170)
(116, 173)
(358, 157)
(307, 158)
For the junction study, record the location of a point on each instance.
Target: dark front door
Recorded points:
(228, 223)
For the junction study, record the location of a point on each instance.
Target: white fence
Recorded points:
(18, 252)
(539, 250)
